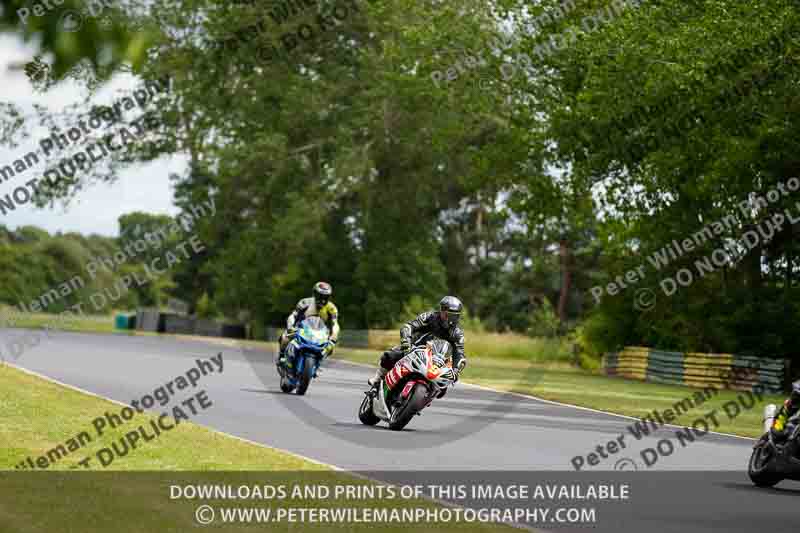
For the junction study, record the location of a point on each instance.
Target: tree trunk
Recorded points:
(752, 263)
(566, 281)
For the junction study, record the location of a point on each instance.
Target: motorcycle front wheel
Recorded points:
(414, 403)
(758, 467)
(285, 385)
(365, 413)
(306, 376)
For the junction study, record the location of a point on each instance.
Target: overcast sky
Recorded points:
(96, 208)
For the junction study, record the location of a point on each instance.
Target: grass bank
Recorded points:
(38, 416)
(84, 323)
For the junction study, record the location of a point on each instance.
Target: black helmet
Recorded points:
(451, 308)
(322, 293)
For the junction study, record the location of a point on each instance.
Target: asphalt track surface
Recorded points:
(471, 429)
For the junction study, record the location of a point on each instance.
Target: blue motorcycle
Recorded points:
(304, 354)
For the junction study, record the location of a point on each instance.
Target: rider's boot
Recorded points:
(283, 344)
(283, 361)
(378, 377)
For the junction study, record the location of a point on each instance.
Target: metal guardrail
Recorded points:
(156, 321)
(372, 339)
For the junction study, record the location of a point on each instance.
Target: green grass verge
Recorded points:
(37, 415)
(81, 323)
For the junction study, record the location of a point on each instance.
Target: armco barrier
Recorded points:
(374, 339)
(207, 328)
(149, 320)
(179, 324)
(348, 338)
(153, 320)
(234, 331)
(701, 370)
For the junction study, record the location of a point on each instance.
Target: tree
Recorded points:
(71, 34)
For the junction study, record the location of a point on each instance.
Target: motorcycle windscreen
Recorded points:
(314, 331)
(441, 352)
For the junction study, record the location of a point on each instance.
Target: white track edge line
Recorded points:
(561, 404)
(214, 430)
(262, 445)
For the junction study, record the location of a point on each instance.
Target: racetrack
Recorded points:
(470, 429)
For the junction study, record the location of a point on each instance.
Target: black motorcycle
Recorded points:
(776, 458)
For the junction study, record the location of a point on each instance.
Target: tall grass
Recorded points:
(481, 344)
(12, 318)
(517, 346)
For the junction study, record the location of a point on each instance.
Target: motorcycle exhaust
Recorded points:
(770, 411)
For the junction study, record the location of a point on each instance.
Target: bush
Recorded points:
(543, 321)
(472, 323)
(411, 308)
(205, 308)
(602, 332)
(589, 362)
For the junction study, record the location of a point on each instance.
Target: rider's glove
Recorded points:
(779, 424)
(405, 345)
(329, 348)
(459, 368)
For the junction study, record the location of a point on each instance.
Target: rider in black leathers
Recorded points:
(442, 324)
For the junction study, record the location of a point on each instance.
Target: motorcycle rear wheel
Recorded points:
(415, 402)
(758, 466)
